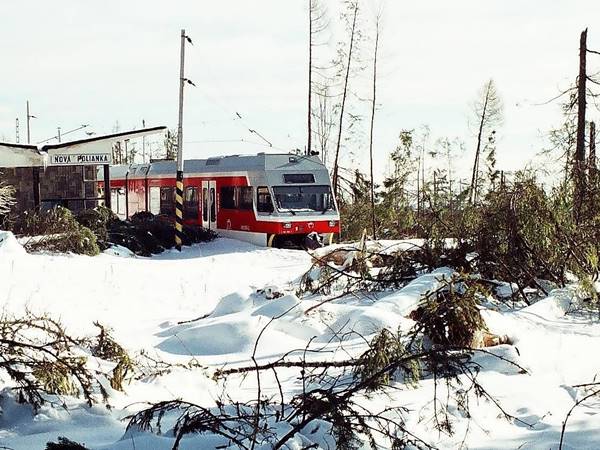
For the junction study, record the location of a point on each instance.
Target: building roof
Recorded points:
(20, 155)
(107, 137)
(26, 155)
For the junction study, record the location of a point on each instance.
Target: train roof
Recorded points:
(232, 163)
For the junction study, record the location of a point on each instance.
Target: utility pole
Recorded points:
(58, 134)
(29, 116)
(143, 143)
(179, 179)
(17, 129)
(310, 31)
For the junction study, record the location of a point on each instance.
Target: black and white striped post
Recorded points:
(179, 178)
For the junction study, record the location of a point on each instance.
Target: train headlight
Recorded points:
(332, 223)
(287, 225)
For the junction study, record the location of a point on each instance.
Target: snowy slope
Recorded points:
(144, 300)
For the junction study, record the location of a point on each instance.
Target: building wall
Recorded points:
(56, 185)
(21, 178)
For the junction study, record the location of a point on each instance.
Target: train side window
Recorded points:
(205, 204)
(228, 197)
(264, 203)
(167, 200)
(190, 203)
(245, 197)
(118, 201)
(114, 202)
(155, 200)
(213, 205)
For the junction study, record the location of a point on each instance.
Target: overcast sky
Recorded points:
(106, 61)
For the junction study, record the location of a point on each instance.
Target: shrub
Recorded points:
(64, 444)
(93, 230)
(385, 349)
(40, 358)
(98, 220)
(147, 234)
(107, 348)
(450, 316)
(56, 230)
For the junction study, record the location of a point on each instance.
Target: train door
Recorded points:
(209, 204)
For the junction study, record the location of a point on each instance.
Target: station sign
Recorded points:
(94, 151)
(80, 159)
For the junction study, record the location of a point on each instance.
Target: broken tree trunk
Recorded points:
(579, 158)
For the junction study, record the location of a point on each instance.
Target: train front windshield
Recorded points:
(303, 198)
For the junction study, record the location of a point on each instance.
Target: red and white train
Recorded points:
(266, 199)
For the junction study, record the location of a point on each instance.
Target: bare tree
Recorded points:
(353, 12)
(488, 111)
(317, 24)
(421, 147)
(170, 144)
(373, 103)
(324, 121)
(450, 149)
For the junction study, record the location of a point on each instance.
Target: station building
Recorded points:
(64, 174)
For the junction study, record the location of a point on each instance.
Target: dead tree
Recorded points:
(592, 168)
(579, 157)
(324, 122)
(377, 29)
(488, 110)
(316, 25)
(353, 6)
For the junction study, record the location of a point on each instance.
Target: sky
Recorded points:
(112, 64)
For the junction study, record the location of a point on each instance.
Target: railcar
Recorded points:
(266, 199)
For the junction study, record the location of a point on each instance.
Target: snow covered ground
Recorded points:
(152, 304)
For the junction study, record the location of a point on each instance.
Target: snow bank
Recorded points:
(405, 300)
(9, 246)
(383, 246)
(554, 306)
(283, 306)
(212, 339)
(119, 250)
(231, 304)
(208, 302)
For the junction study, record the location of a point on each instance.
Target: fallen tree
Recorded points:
(437, 348)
